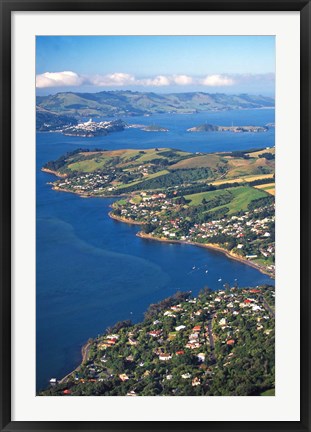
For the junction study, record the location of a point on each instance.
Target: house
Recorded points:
(247, 301)
(196, 328)
(181, 327)
(155, 333)
(123, 377)
(180, 352)
(186, 375)
(129, 358)
(169, 313)
(201, 357)
(230, 342)
(131, 393)
(165, 357)
(223, 322)
(195, 382)
(67, 392)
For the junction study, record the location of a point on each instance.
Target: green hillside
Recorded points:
(128, 103)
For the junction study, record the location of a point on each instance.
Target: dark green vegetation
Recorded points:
(218, 344)
(128, 103)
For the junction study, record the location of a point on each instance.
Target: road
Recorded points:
(211, 339)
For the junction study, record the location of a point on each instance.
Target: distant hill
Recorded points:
(46, 120)
(128, 103)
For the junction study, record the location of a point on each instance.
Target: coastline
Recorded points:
(124, 220)
(56, 173)
(84, 353)
(208, 246)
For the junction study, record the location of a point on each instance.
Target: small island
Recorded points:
(149, 128)
(186, 346)
(235, 129)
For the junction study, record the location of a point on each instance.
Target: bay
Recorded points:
(93, 271)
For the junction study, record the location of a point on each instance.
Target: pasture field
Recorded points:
(270, 150)
(268, 187)
(254, 166)
(248, 178)
(240, 197)
(200, 161)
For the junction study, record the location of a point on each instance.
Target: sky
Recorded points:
(161, 64)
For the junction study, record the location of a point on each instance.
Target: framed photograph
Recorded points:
(155, 215)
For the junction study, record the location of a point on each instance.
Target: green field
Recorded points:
(241, 197)
(196, 199)
(90, 165)
(200, 161)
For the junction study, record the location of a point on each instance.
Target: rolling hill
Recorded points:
(128, 103)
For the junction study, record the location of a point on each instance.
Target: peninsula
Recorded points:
(220, 200)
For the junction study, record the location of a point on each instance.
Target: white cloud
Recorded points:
(114, 79)
(217, 81)
(121, 79)
(59, 79)
(158, 81)
(182, 79)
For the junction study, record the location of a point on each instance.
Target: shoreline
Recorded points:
(208, 246)
(56, 173)
(84, 353)
(124, 220)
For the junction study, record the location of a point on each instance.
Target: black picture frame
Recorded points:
(7, 7)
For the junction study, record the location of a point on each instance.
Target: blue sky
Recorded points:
(230, 64)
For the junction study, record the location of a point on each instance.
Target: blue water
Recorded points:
(93, 271)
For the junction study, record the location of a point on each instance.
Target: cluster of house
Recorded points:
(150, 210)
(88, 183)
(246, 305)
(199, 335)
(91, 128)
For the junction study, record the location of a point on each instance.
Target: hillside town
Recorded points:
(185, 346)
(249, 234)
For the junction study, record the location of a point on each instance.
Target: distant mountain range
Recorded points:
(127, 103)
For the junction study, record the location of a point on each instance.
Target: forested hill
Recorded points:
(121, 103)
